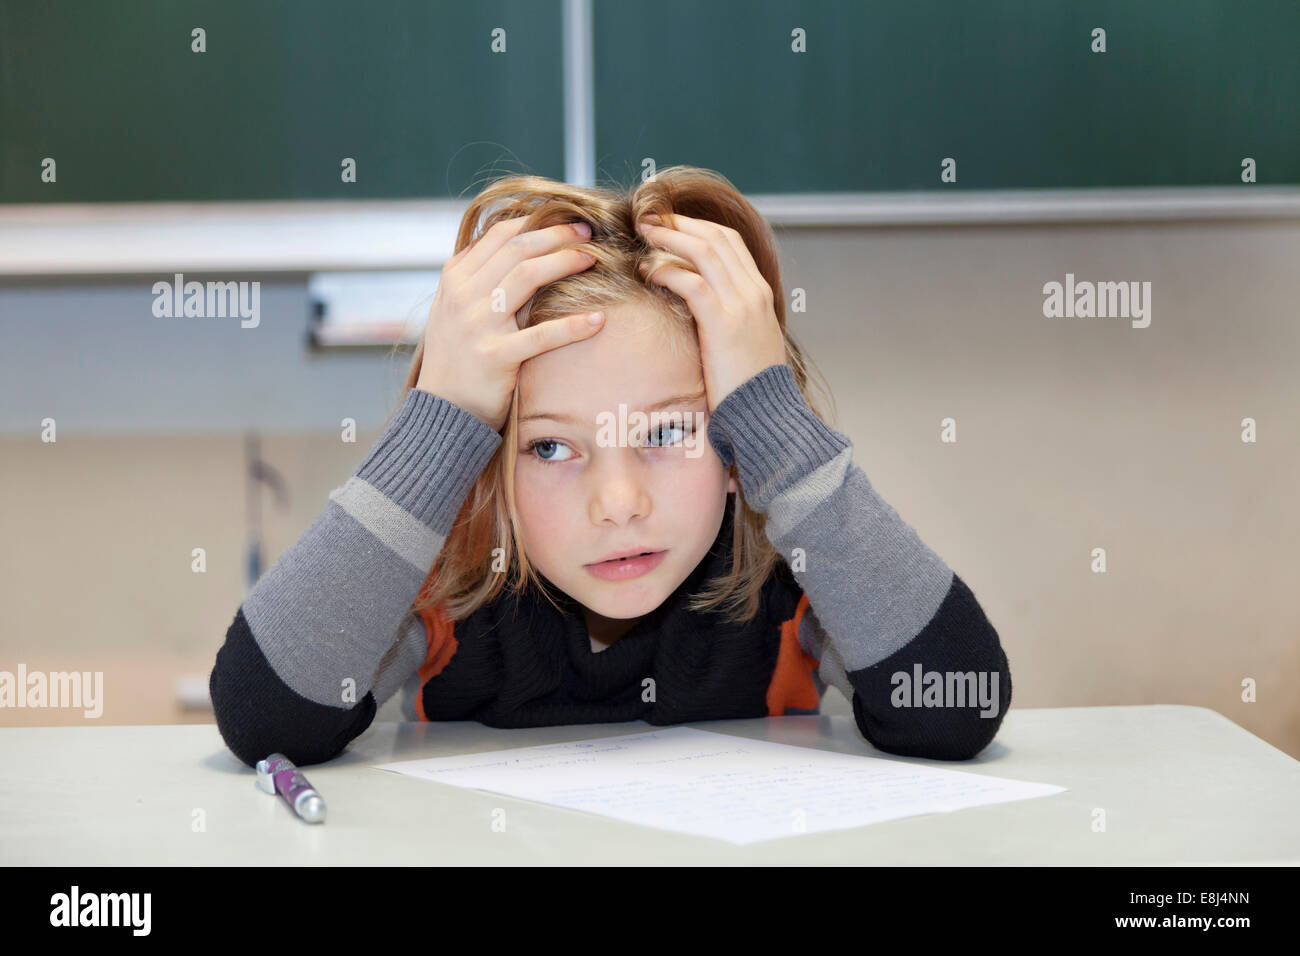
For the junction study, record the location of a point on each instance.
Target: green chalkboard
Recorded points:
(286, 90)
(883, 93)
(1012, 91)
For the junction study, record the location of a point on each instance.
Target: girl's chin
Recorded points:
(621, 608)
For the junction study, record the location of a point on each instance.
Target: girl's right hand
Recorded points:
(472, 352)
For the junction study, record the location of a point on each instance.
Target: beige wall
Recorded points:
(1073, 434)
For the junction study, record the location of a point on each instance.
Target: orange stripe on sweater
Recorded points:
(792, 684)
(442, 644)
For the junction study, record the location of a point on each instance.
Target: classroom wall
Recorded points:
(1072, 434)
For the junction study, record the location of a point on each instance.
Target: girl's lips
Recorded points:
(622, 570)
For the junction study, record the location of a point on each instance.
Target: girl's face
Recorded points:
(593, 480)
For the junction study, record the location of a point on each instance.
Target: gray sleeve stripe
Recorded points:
(402, 660)
(407, 536)
(799, 500)
(815, 642)
(330, 608)
(775, 438)
(428, 457)
(410, 689)
(874, 583)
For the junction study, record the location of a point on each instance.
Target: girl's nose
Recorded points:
(618, 494)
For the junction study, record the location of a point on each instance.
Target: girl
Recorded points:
(665, 530)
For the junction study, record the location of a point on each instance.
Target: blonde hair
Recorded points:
(461, 579)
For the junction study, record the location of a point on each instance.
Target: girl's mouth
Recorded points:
(621, 569)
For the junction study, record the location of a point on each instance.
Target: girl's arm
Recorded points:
(888, 611)
(326, 635)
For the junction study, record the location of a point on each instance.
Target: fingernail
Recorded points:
(595, 318)
(583, 230)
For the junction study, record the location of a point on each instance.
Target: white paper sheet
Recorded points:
(717, 785)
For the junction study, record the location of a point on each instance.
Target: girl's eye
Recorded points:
(658, 433)
(542, 448)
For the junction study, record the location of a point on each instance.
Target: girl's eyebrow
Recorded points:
(683, 399)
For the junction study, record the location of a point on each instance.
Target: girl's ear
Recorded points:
(731, 483)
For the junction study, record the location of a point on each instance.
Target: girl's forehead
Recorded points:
(594, 378)
(633, 357)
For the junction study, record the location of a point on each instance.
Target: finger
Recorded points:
(744, 268)
(744, 257)
(733, 254)
(698, 292)
(521, 246)
(527, 277)
(458, 257)
(482, 248)
(709, 253)
(523, 344)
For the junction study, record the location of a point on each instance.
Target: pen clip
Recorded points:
(265, 780)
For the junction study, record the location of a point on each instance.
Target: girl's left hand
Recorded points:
(731, 301)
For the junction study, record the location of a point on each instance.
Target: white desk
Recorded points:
(1178, 784)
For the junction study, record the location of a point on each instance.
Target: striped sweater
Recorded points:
(328, 634)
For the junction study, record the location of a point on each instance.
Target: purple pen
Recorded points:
(278, 774)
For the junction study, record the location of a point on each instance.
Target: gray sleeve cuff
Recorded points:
(428, 457)
(767, 428)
